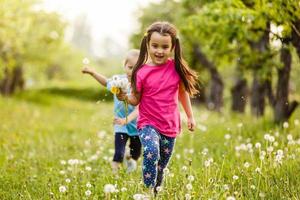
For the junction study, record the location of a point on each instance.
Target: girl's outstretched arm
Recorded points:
(99, 77)
(184, 98)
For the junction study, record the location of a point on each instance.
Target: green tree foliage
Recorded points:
(242, 35)
(30, 39)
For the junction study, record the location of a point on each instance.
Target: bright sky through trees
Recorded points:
(112, 20)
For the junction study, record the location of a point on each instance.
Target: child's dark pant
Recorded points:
(120, 145)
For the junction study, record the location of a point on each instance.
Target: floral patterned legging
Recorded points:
(157, 151)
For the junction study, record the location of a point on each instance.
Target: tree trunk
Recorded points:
(259, 86)
(216, 92)
(239, 93)
(296, 36)
(269, 92)
(215, 99)
(283, 109)
(12, 81)
(257, 96)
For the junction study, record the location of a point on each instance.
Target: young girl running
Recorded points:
(159, 82)
(124, 129)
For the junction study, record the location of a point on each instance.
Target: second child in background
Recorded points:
(124, 126)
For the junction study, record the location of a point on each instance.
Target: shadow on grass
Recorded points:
(48, 96)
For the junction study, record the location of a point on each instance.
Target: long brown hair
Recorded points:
(187, 75)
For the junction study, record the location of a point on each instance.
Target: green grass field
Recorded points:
(57, 143)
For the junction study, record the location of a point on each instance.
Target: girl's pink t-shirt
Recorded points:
(159, 86)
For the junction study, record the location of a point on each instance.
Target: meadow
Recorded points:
(56, 142)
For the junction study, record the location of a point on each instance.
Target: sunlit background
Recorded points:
(108, 23)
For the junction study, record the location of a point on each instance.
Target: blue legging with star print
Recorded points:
(157, 151)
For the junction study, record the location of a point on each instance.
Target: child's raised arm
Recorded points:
(184, 98)
(99, 77)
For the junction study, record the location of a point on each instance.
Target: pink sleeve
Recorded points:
(139, 83)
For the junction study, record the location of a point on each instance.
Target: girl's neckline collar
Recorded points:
(150, 65)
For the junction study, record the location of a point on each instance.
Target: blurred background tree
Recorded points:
(31, 40)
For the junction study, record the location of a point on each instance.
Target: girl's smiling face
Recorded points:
(159, 48)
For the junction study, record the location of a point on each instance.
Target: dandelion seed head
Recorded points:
(257, 145)
(243, 147)
(68, 180)
(289, 137)
(226, 187)
(166, 171)
(204, 151)
(159, 189)
(62, 189)
(101, 134)
(258, 170)
(261, 157)
(109, 188)
(88, 185)
(267, 137)
(262, 195)
(240, 125)
(227, 136)
(189, 186)
(191, 178)
(191, 151)
(88, 193)
(187, 196)
(279, 152)
(139, 197)
(63, 162)
(88, 168)
(246, 165)
(73, 162)
(249, 146)
(85, 61)
(230, 198)
(270, 149)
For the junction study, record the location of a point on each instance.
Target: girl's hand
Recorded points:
(122, 96)
(191, 123)
(120, 121)
(87, 70)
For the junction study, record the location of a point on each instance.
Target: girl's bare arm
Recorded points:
(185, 101)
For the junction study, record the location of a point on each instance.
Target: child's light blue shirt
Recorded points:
(120, 112)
